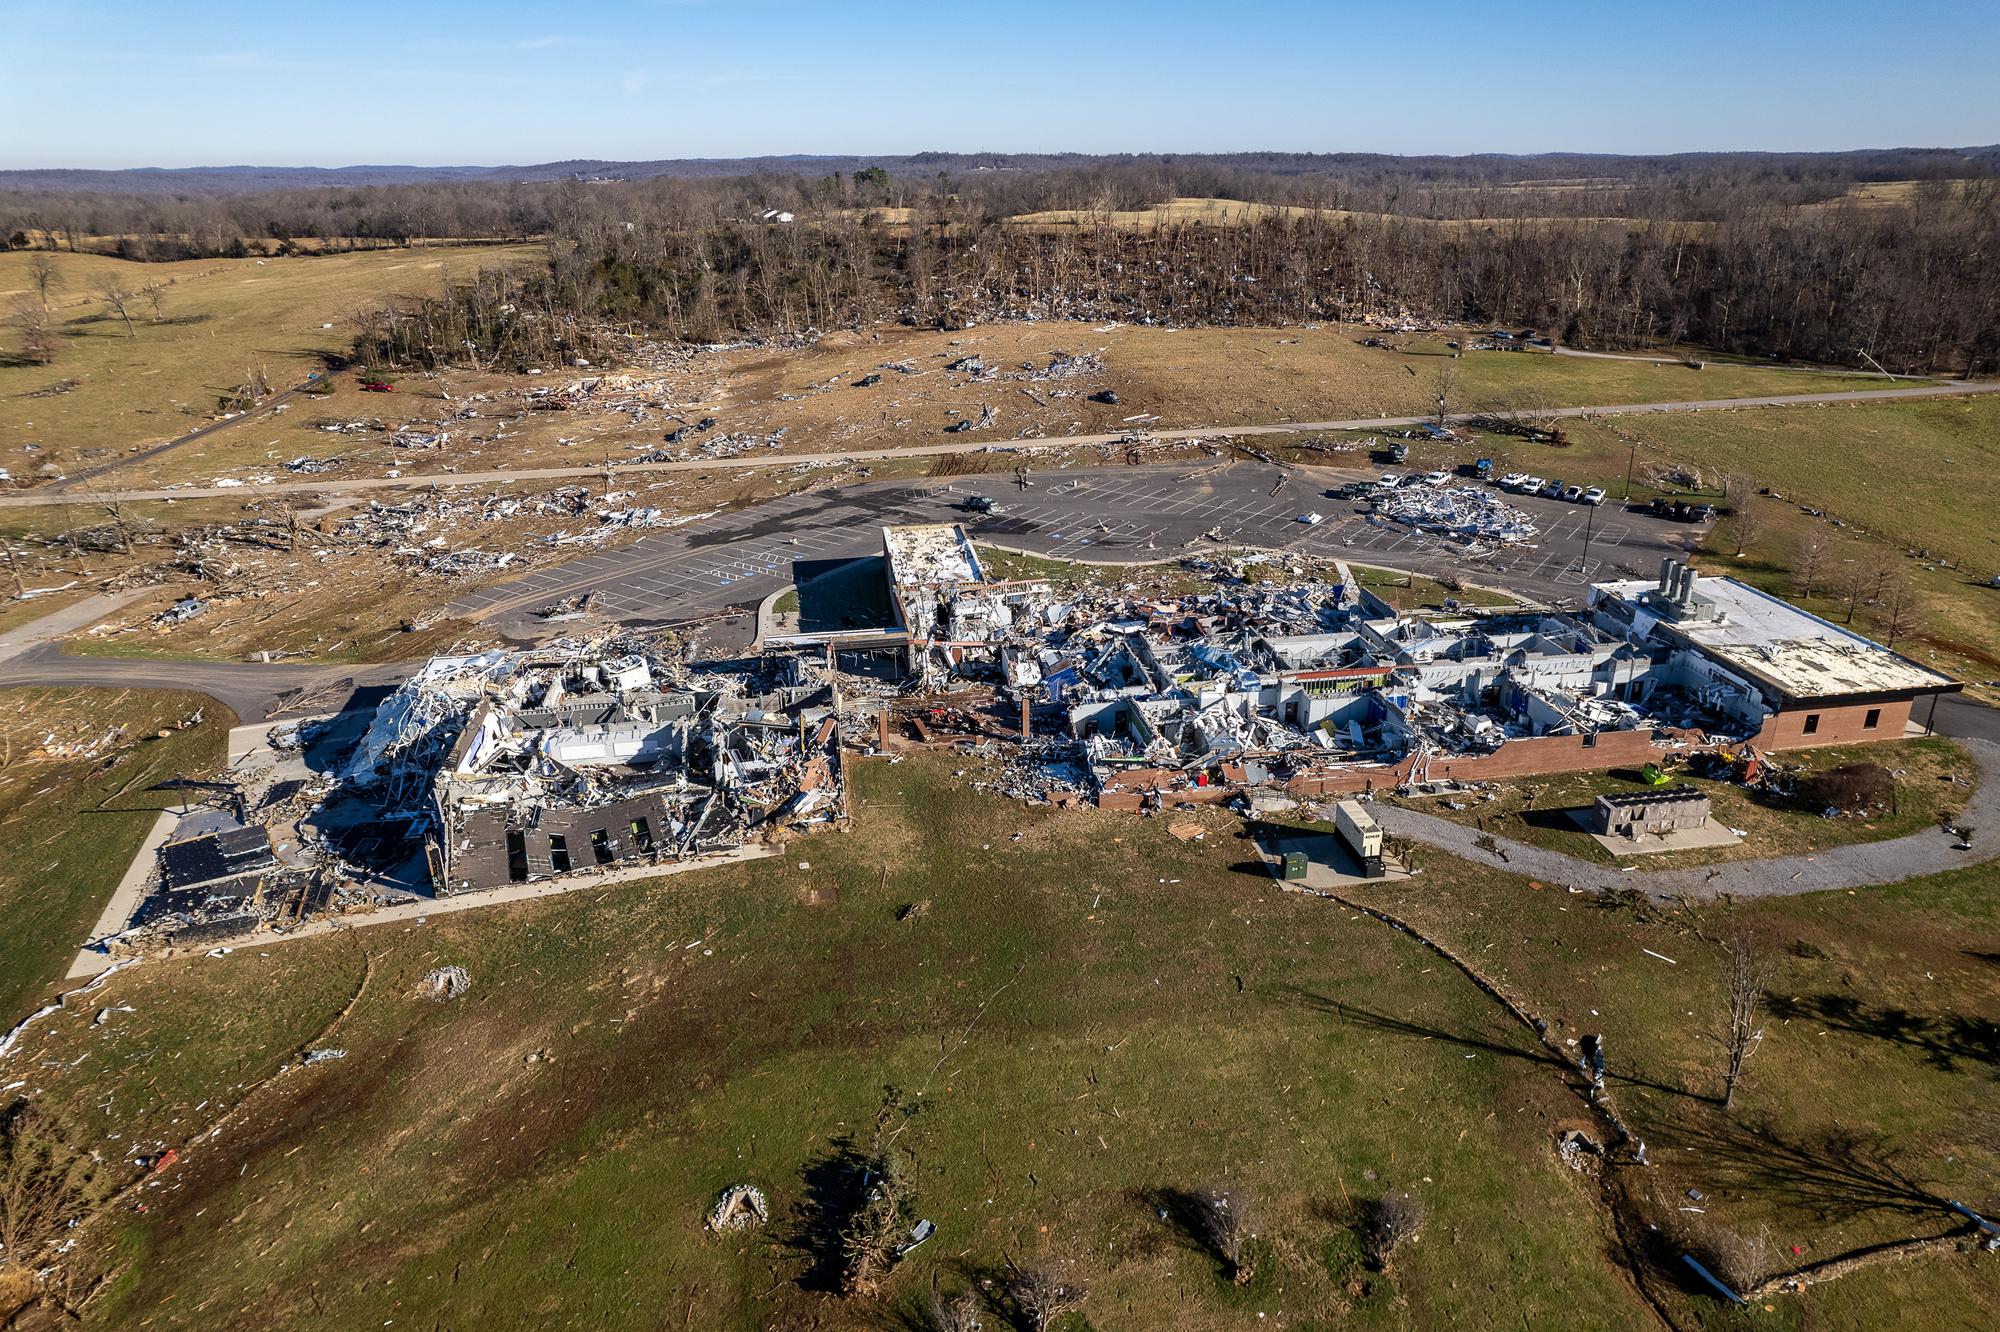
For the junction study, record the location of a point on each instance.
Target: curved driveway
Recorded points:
(1861, 865)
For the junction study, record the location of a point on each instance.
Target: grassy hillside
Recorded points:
(219, 320)
(70, 824)
(1075, 1022)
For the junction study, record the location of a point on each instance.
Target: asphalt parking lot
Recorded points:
(1113, 515)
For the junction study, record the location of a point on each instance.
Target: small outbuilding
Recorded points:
(1637, 814)
(1362, 836)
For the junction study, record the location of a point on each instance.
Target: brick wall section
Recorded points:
(1844, 724)
(1838, 725)
(1516, 758)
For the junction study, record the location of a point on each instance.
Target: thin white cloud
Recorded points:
(634, 82)
(549, 40)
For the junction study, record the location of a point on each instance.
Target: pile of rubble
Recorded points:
(1463, 513)
(1062, 368)
(614, 521)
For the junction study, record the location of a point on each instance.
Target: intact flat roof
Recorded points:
(1792, 650)
(930, 553)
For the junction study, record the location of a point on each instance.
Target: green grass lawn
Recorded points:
(1863, 1106)
(1079, 1017)
(71, 825)
(1536, 810)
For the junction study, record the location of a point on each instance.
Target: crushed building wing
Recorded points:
(517, 766)
(1325, 688)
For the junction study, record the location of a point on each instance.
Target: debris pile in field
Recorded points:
(1062, 368)
(444, 984)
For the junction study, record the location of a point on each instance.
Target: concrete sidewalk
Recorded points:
(125, 899)
(91, 963)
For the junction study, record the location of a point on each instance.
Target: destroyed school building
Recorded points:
(512, 767)
(1325, 689)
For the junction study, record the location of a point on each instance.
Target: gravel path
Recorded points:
(1857, 866)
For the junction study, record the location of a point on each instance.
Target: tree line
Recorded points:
(1911, 286)
(1768, 258)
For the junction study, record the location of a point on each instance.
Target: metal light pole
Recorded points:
(1630, 459)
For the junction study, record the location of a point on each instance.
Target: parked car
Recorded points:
(1390, 480)
(1531, 485)
(1572, 493)
(1513, 480)
(1436, 478)
(1553, 488)
(1310, 519)
(980, 504)
(1594, 496)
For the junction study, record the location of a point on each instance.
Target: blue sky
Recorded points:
(88, 83)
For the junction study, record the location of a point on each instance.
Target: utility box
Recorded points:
(1361, 834)
(1296, 864)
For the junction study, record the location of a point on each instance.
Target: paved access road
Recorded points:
(270, 406)
(1932, 851)
(53, 495)
(252, 690)
(1121, 515)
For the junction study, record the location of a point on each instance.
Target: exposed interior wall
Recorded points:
(1842, 724)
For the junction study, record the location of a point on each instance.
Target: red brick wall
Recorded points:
(1841, 725)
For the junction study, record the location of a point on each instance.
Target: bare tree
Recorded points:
(119, 298)
(1447, 378)
(155, 294)
(874, 1233)
(1809, 561)
(1748, 975)
(45, 276)
(1223, 1218)
(1897, 603)
(1387, 1224)
(957, 1313)
(1041, 1296)
(30, 323)
(1849, 584)
(121, 523)
(45, 1181)
(1746, 512)
(871, 1238)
